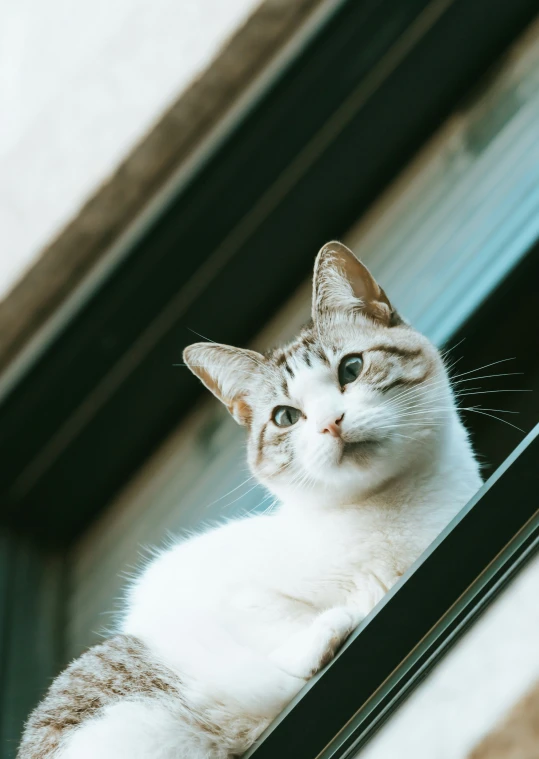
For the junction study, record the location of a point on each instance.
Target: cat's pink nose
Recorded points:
(333, 428)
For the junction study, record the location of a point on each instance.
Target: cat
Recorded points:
(354, 428)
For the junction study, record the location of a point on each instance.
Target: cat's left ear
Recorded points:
(227, 372)
(342, 283)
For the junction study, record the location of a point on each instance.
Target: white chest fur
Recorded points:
(262, 578)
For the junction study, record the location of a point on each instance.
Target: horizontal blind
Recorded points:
(467, 210)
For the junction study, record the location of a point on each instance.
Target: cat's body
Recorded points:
(223, 629)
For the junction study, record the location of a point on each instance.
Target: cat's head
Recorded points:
(353, 401)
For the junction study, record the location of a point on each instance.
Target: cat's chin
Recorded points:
(346, 459)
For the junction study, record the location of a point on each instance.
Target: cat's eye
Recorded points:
(285, 416)
(350, 369)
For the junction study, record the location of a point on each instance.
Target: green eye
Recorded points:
(350, 369)
(285, 416)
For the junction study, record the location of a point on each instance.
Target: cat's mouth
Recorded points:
(360, 448)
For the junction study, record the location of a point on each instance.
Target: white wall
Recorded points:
(81, 81)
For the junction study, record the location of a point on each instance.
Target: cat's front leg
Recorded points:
(308, 650)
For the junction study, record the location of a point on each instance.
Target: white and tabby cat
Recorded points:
(353, 426)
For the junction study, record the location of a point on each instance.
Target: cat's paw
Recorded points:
(314, 646)
(335, 625)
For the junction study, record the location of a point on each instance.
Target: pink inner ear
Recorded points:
(241, 411)
(337, 257)
(363, 284)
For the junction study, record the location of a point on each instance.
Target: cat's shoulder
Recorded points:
(230, 537)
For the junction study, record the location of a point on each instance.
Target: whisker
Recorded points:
(485, 408)
(404, 437)
(489, 376)
(202, 336)
(485, 366)
(271, 507)
(447, 351)
(492, 416)
(406, 425)
(230, 348)
(484, 392)
(230, 491)
(457, 380)
(456, 393)
(258, 505)
(231, 503)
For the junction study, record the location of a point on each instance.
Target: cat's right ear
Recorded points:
(227, 372)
